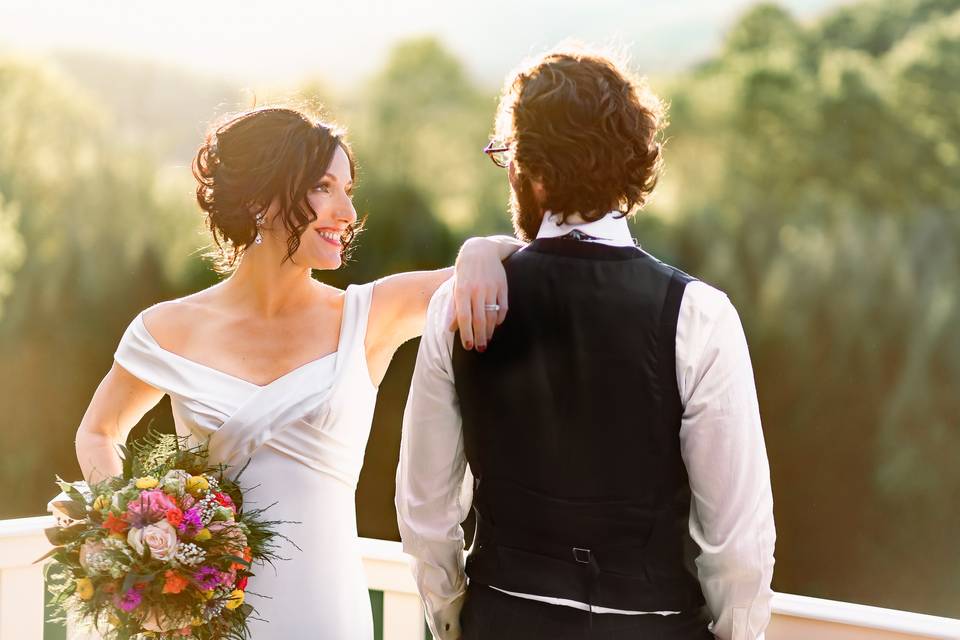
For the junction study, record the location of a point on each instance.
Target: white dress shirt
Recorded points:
(721, 440)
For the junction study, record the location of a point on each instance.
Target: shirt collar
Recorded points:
(611, 229)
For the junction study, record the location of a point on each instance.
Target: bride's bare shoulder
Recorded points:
(171, 321)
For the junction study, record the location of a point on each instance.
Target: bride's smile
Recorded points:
(333, 237)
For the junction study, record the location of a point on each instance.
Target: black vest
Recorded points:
(571, 423)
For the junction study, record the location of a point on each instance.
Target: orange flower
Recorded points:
(115, 525)
(174, 516)
(175, 582)
(248, 556)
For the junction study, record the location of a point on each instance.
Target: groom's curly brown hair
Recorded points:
(586, 129)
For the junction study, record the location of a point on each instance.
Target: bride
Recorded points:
(274, 367)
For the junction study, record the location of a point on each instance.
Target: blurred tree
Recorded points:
(875, 27)
(11, 248)
(424, 122)
(763, 28)
(88, 243)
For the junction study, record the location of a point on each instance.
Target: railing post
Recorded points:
(388, 570)
(402, 616)
(21, 582)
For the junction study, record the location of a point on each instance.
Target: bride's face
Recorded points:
(331, 198)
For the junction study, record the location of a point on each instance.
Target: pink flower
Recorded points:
(128, 601)
(149, 507)
(159, 538)
(190, 523)
(207, 578)
(227, 578)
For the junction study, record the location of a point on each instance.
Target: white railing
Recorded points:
(794, 617)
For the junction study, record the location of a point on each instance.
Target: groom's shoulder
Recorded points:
(439, 303)
(443, 293)
(700, 298)
(650, 261)
(704, 304)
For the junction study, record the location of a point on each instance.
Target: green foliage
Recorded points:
(156, 453)
(765, 27)
(877, 26)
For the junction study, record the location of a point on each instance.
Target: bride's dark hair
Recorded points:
(252, 158)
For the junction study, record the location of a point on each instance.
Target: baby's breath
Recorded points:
(189, 554)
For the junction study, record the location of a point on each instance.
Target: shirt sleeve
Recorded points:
(731, 516)
(432, 497)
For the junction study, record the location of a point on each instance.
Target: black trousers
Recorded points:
(489, 614)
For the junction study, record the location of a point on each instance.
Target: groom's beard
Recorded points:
(524, 210)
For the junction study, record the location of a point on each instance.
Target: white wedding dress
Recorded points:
(304, 435)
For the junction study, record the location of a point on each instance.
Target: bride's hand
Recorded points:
(480, 289)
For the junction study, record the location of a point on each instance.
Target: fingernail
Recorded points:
(468, 346)
(481, 348)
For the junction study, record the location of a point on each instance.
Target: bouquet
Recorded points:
(163, 551)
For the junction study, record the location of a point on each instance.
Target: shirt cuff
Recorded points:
(445, 622)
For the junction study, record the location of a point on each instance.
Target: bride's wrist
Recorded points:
(500, 247)
(478, 248)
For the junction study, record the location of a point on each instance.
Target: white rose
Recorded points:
(175, 481)
(159, 538)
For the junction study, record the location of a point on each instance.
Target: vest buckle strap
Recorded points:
(581, 555)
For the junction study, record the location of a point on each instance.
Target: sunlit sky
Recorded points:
(283, 41)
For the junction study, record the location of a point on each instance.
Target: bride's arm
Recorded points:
(400, 301)
(117, 406)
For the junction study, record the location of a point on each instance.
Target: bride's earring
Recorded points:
(259, 222)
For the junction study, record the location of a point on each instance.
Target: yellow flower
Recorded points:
(197, 484)
(236, 599)
(203, 535)
(84, 588)
(196, 622)
(146, 482)
(207, 594)
(101, 503)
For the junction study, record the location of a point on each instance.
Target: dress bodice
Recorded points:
(318, 414)
(300, 442)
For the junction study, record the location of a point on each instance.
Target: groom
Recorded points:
(617, 467)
